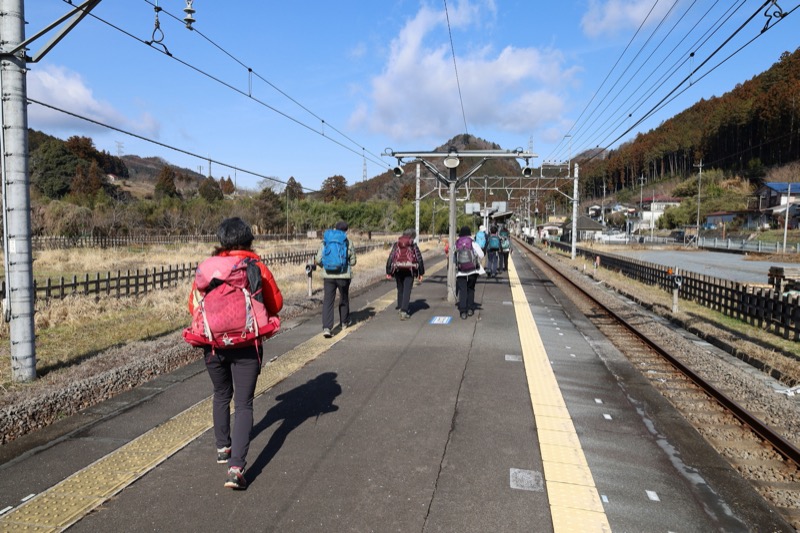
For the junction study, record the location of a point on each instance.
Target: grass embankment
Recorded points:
(71, 331)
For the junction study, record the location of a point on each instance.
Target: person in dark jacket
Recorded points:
(404, 267)
(234, 371)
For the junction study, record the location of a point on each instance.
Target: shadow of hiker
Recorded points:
(310, 400)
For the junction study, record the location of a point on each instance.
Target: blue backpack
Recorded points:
(493, 243)
(334, 251)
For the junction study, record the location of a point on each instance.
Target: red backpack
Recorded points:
(229, 312)
(404, 256)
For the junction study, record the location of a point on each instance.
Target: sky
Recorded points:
(276, 89)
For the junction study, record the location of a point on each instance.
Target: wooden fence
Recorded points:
(766, 308)
(137, 282)
(62, 243)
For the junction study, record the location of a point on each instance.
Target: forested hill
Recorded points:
(745, 131)
(386, 186)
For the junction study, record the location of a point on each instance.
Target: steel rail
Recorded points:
(788, 450)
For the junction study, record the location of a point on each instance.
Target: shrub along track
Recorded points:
(727, 406)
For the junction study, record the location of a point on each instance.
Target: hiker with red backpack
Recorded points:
(404, 264)
(234, 304)
(336, 257)
(467, 257)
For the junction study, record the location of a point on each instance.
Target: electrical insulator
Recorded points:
(189, 10)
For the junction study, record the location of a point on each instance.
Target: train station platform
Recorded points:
(519, 418)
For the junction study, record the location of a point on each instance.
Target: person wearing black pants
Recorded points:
(336, 281)
(466, 279)
(404, 264)
(234, 371)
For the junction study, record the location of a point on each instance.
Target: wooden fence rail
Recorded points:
(137, 282)
(766, 308)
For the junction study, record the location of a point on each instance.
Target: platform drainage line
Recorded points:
(575, 504)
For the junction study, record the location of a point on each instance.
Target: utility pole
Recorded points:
(603, 206)
(574, 213)
(641, 203)
(18, 304)
(699, 177)
(416, 203)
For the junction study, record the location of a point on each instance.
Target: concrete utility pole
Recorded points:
(574, 213)
(699, 177)
(18, 304)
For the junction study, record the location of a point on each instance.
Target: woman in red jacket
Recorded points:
(234, 371)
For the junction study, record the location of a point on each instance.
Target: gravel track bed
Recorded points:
(749, 388)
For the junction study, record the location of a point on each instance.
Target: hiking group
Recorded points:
(234, 303)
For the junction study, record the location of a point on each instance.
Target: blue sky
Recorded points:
(333, 84)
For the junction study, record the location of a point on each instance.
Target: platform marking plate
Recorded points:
(440, 320)
(526, 480)
(515, 358)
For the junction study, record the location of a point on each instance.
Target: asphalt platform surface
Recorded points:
(415, 425)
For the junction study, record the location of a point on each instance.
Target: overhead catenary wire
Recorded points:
(614, 125)
(164, 145)
(455, 67)
(358, 151)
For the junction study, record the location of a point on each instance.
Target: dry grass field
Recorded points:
(71, 331)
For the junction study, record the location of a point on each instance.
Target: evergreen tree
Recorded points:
(210, 191)
(165, 183)
(334, 188)
(52, 168)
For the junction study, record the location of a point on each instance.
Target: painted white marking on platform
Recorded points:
(604, 498)
(510, 357)
(440, 320)
(568, 347)
(572, 355)
(506, 302)
(607, 416)
(4, 511)
(527, 480)
(562, 334)
(653, 495)
(28, 497)
(598, 400)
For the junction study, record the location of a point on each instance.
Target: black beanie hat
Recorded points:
(465, 232)
(234, 232)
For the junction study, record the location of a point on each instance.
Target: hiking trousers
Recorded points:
(492, 262)
(233, 374)
(465, 287)
(329, 298)
(405, 281)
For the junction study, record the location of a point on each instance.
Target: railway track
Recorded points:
(759, 452)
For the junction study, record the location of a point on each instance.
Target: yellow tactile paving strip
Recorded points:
(574, 502)
(67, 502)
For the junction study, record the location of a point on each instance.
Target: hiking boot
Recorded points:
(347, 324)
(470, 312)
(404, 315)
(235, 479)
(464, 315)
(223, 454)
(326, 332)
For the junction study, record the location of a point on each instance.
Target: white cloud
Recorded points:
(612, 16)
(517, 90)
(65, 89)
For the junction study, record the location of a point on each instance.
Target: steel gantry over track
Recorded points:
(451, 160)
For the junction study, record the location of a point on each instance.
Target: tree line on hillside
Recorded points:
(742, 133)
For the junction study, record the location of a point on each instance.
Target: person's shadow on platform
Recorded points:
(310, 400)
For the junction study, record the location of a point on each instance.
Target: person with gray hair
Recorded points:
(404, 264)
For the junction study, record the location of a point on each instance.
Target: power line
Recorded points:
(249, 95)
(181, 150)
(455, 67)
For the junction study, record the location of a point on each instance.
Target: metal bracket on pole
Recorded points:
(78, 13)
